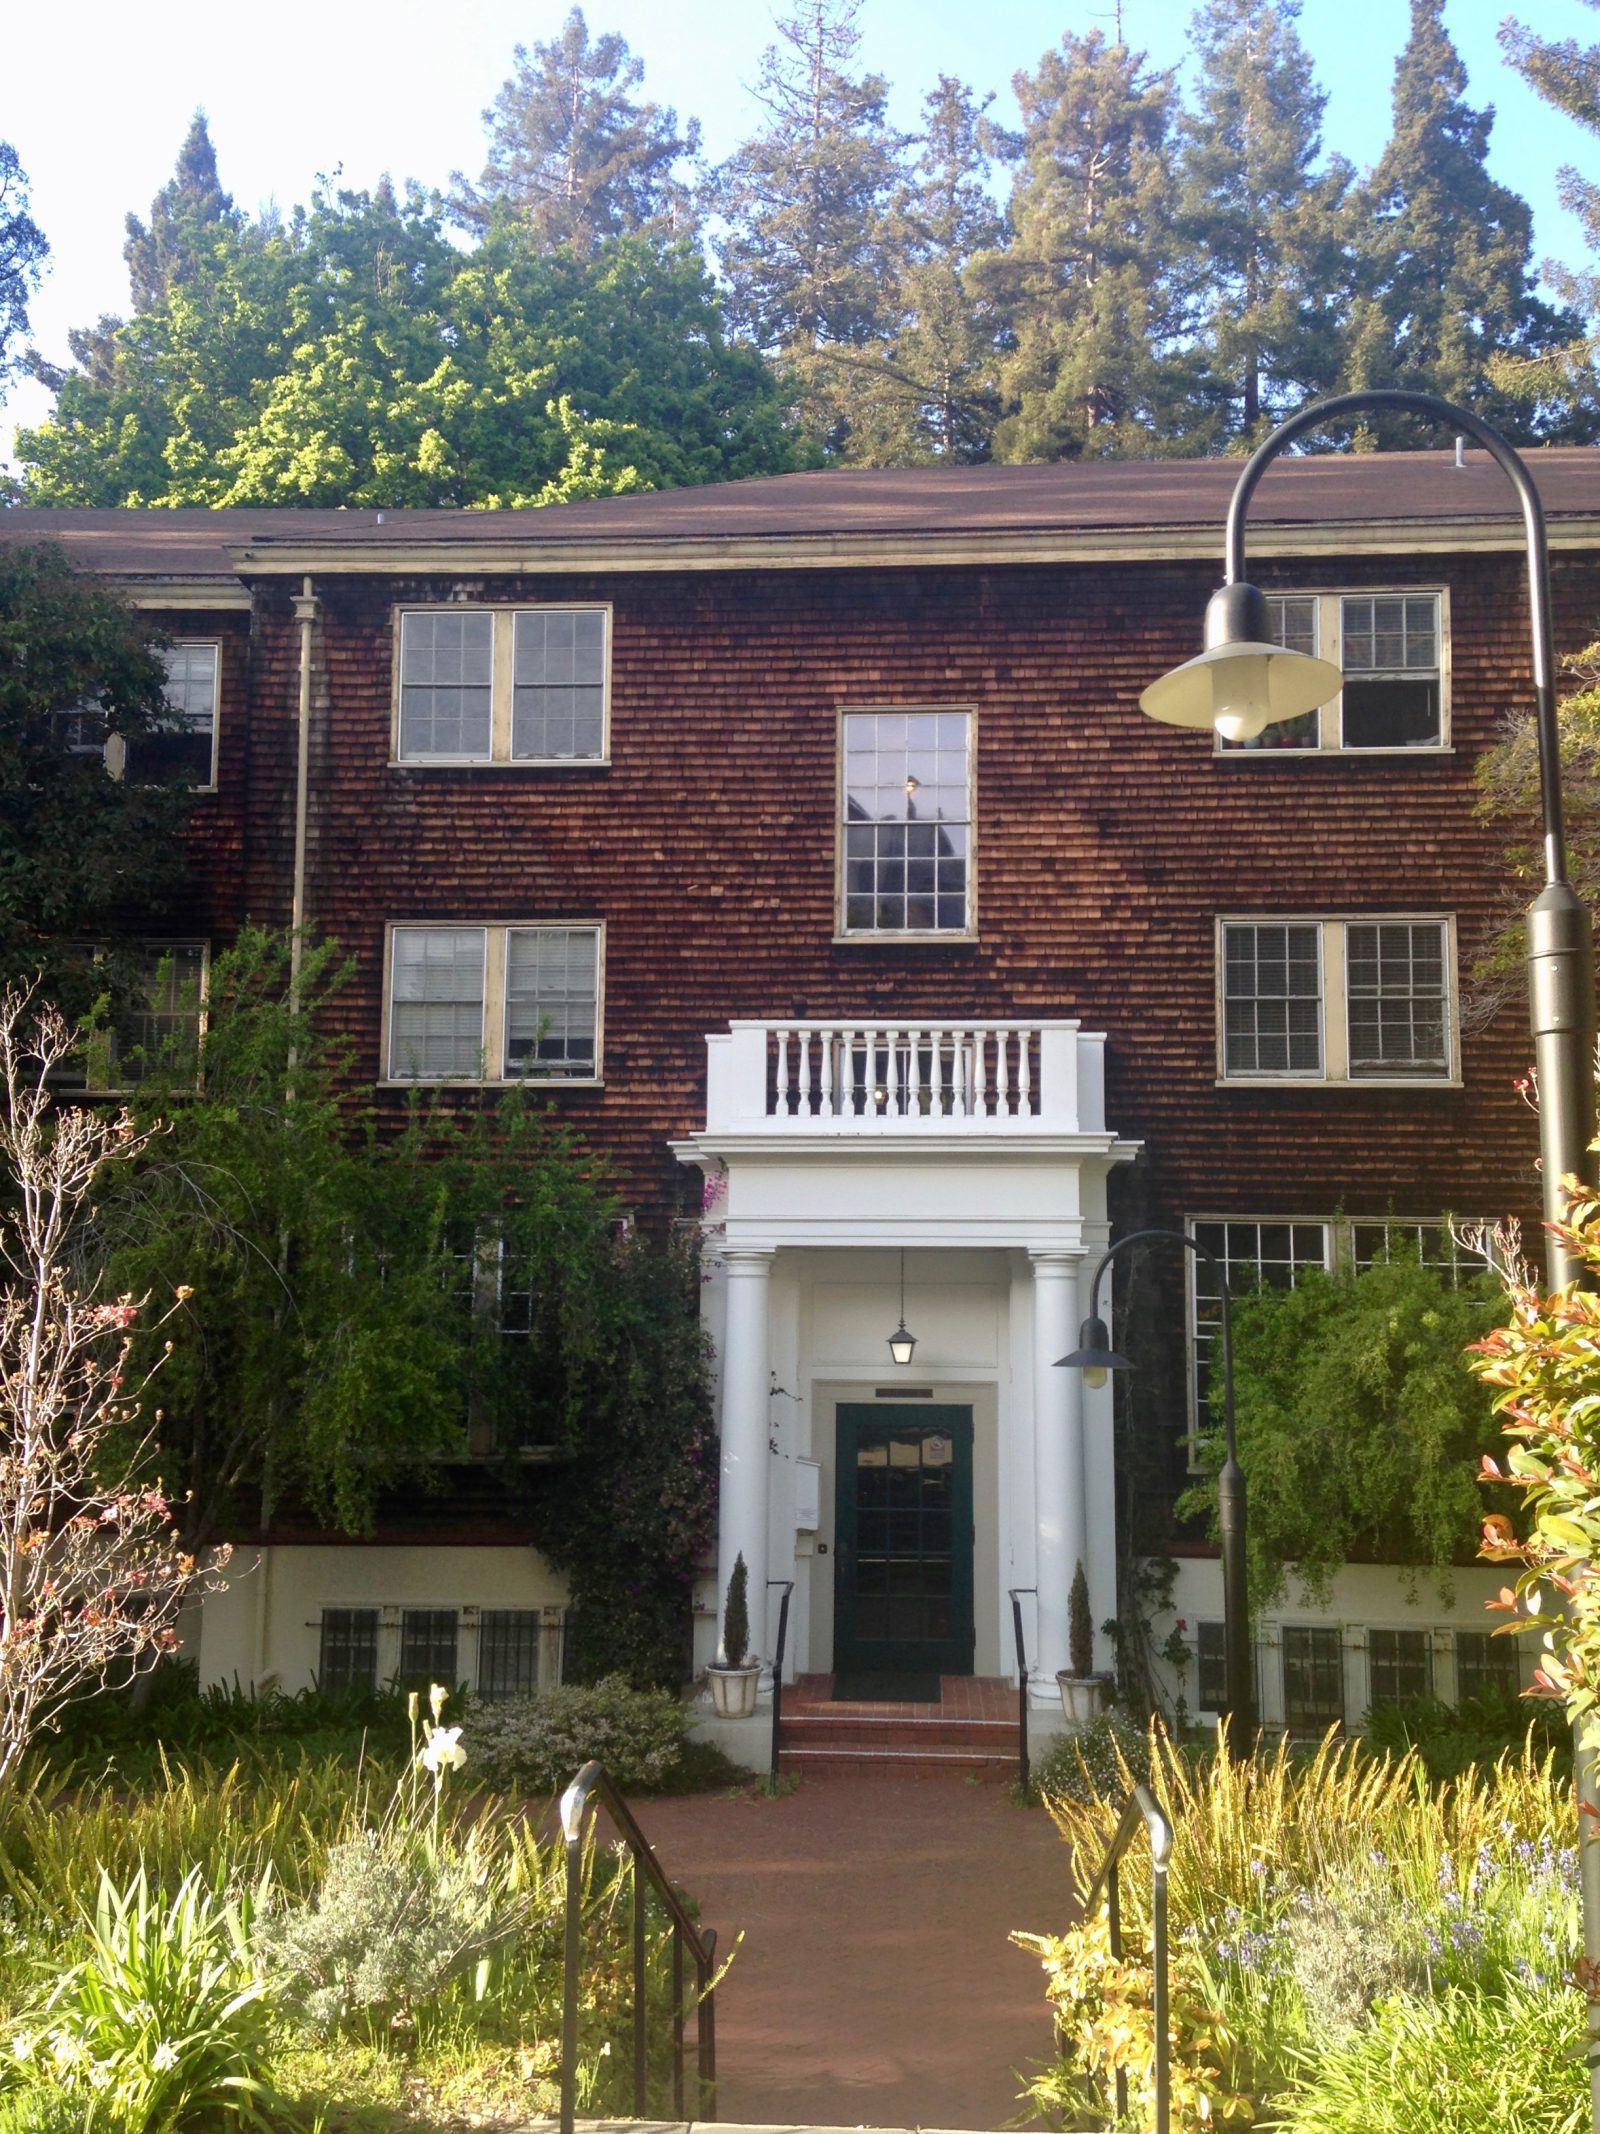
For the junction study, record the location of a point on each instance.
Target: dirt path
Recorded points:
(876, 1986)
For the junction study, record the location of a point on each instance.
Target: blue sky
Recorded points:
(96, 100)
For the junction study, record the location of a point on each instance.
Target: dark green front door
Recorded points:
(902, 1582)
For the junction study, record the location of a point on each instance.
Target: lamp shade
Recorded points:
(1241, 683)
(901, 1344)
(1094, 1356)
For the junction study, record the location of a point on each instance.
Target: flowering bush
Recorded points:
(537, 1744)
(1102, 1761)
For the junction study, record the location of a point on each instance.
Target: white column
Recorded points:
(746, 1389)
(1058, 1467)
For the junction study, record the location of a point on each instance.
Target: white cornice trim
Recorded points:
(931, 1149)
(895, 551)
(213, 595)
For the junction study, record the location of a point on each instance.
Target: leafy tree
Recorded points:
(1443, 252)
(357, 357)
(1359, 1425)
(1566, 75)
(85, 853)
(810, 271)
(365, 1311)
(23, 252)
(574, 157)
(1087, 292)
(1268, 227)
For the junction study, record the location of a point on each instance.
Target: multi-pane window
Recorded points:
(508, 1651)
(1397, 998)
(552, 975)
(436, 996)
(494, 1003)
(1433, 1245)
(1313, 1677)
(348, 1654)
(1272, 999)
(1391, 649)
(559, 685)
(1399, 1666)
(1486, 1666)
(184, 750)
(1390, 655)
(512, 685)
(1336, 1000)
(907, 791)
(157, 993)
(1252, 1256)
(446, 685)
(428, 1642)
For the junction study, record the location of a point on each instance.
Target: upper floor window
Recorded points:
(905, 837)
(1392, 648)
(511, 685)
(184, 750)
(494, 1003)
(1336, 1000)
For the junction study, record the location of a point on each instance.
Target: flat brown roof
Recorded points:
(853, 514)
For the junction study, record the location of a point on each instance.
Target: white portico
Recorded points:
(969, 1160)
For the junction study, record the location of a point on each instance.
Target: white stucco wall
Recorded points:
(1362, 1597)
(262, 1627)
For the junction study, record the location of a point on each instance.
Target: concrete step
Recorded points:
(983, 1762)
(827, 1729)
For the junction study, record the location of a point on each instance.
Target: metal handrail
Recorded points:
(1140, 1807)
(590, 1787)
(1022, 1681)
(777, 1671)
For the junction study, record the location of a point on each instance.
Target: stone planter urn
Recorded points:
(1081, 1696)
(733, 1689)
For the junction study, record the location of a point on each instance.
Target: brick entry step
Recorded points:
(972, 1729)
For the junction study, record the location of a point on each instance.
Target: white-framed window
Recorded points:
(1487, 1666)
(162, 1027)
(502, 685)
(1399, 1666)
(1312, 1656)
(1336, 1000)
(494, 1003)
(184, 751)
(1257, 1252)
(347, 1649)
(905, 832)
(1393, 647)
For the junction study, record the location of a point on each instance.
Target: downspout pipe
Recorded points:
(305, 614)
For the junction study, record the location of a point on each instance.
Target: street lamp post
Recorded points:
(1094, 1356)
(1242, 682)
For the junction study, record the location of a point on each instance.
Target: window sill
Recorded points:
(495, 763)
(1312, 1081)
(518, 1081)
(967, 939)
(1336, 755)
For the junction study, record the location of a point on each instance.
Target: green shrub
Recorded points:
(538, 1744)
(1451, 1739)
(1458, 2063)
(165, 2024)
(1103, 1761)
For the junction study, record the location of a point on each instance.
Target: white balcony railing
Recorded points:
(872, 1077)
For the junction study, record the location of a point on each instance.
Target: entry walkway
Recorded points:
(875, 1985)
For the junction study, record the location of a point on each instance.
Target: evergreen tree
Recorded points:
(1444, 250)
(1267, 227)
(938, 398)
(175, 247)
(23, 251)
(809, 267)
(1088, 291)
(574, 157)
(1566, 75)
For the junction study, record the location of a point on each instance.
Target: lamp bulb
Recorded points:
(1243, 723)
(1095, 1376)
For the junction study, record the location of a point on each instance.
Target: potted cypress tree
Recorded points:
(734, 1677)
(1080, 1686)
